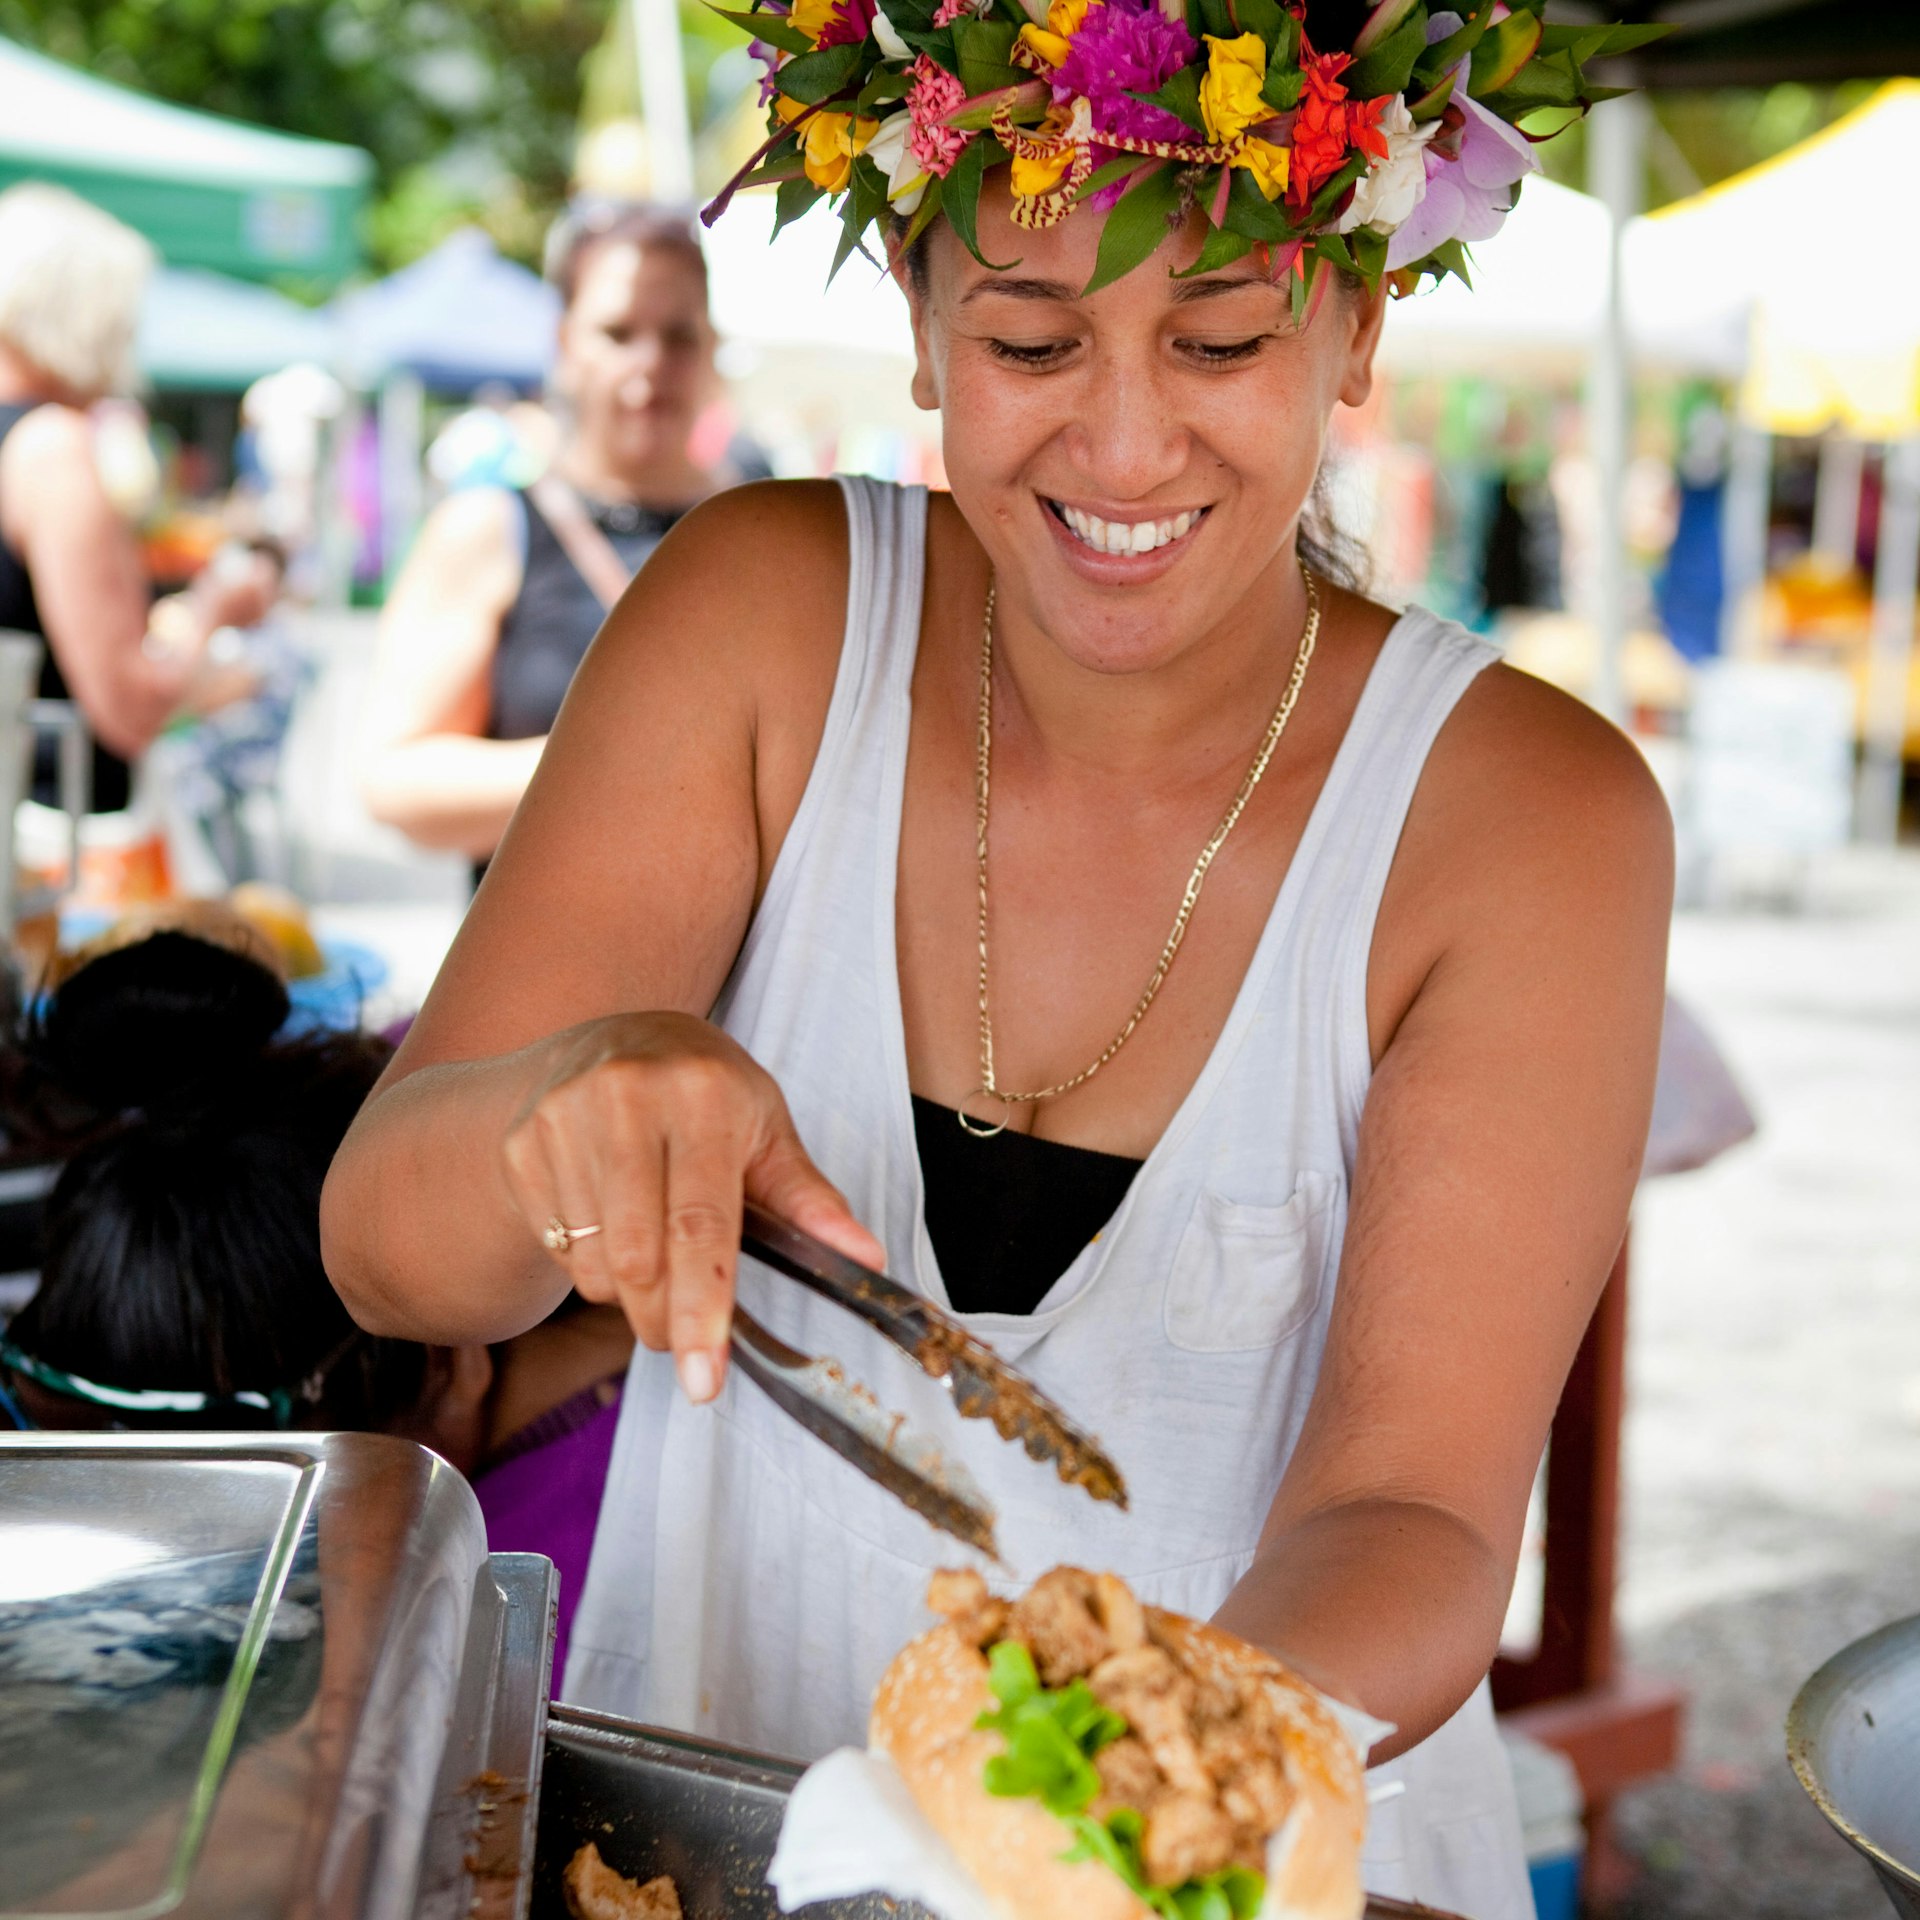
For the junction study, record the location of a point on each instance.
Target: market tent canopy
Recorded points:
(207, 192)
(455, 319)
(1816, 241)
(204, 333)
(1539, 299)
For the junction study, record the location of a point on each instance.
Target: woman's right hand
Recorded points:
(655, 1128)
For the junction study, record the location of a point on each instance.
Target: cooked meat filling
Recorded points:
(1201, 1759)
(596, 1892)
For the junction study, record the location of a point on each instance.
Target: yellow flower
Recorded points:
(829, 142)
(1032, 177)
(1230, 99)
(1050, 41)
(1267, 163)
(811, 16)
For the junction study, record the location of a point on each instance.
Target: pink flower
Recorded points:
(1472, 168)
(935, 93)
(1123, 47)
(949, 11)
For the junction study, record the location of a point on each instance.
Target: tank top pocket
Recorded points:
(1245, 1276)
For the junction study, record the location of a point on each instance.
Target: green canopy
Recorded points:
(207, 192)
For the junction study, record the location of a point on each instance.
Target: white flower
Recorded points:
(906, 177)
(1393, 187)
(888, 40)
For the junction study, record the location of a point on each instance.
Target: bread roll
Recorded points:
(937, 1688)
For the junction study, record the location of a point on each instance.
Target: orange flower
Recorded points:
(1329, 126)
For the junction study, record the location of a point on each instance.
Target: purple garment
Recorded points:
(541, 1494)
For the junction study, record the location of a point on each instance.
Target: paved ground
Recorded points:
(1774, 1413)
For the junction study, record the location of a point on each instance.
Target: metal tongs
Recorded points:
(818, 1393)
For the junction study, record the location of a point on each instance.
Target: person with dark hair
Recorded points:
(181, 1283)
(505, 588)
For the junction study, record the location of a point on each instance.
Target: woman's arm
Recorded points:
(563, 1064)
(1499, 1149)
(428, 769)
(91, 587)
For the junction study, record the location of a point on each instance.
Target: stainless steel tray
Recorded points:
(252, 1675)
(657, 1802)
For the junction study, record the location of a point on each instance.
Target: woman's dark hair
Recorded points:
(588, 224)
(182, 1246)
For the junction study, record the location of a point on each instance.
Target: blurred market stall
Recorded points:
(207, 192)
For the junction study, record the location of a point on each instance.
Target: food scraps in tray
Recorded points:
(595, 1891)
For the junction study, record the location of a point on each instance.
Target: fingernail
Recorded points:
(697, 1377)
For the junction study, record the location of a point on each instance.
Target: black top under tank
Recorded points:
(1009, 1215)
(555, 615)
(20, 611)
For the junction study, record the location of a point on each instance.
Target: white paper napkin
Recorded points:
(852, 1827)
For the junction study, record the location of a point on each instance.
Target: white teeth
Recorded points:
(1124, 536)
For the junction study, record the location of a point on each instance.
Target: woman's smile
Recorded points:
(1122, 544)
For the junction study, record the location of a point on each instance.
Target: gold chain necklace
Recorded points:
(982, 768)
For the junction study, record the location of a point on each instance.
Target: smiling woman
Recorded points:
(1239, 1000)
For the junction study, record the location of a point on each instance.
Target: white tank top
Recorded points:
(748, 1584)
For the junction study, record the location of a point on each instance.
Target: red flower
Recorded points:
(1328, 126)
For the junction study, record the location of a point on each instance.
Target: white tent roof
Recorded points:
(1539, 298)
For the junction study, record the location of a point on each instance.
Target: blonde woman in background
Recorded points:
(71, 282)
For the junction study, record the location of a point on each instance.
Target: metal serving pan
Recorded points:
(1853, 1736)
(709, 1815)
(252, 1675)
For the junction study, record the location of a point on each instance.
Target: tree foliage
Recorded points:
(468, 106)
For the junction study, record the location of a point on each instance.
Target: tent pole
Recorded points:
(1836, 499)
(403, 407)
(1743, 533)
(1616, 149)
(663, 99)
(1890, 660)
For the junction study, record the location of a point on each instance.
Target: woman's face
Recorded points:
(1178, 420)
(636, 352)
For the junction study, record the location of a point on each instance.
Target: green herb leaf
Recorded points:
(1137, 227)
(819, 76)
(1010, 1669)
(1385, 19)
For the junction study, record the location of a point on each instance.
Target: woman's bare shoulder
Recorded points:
(741, 612)
(1520, 749)
(1538, 832)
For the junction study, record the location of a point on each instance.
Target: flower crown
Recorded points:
(1385, 161)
